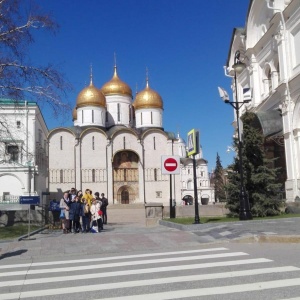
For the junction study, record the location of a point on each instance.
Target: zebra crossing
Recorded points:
(208, 273)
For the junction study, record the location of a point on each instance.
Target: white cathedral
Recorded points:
(115, 147)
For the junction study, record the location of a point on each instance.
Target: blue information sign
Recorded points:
(29, 199)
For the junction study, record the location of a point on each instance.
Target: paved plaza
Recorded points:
(126, 232)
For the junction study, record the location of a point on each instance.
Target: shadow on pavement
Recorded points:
(13, 253)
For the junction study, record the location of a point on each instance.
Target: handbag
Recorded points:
(100, 213)
(62, 214)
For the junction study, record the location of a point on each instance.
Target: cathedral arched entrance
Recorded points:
(125, 195)
(125, 177)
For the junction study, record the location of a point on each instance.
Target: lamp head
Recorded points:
(238, 67)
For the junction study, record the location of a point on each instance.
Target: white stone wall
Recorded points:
(90, 116)
(149, 117)
(24, 127)
(119, 110)
(270, 47)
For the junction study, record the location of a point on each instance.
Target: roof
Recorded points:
(17, 102)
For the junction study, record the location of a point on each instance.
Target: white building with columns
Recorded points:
(269, 45)
(23, 151)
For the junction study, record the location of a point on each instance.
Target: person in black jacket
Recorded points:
(75, 213)
(104, 208)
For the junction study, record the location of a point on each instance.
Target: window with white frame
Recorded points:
(13, 151)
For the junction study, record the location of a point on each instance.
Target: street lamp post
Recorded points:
(244, 213)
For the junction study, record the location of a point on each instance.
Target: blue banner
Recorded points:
(30, 200)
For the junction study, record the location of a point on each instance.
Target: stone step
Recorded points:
(126, 206)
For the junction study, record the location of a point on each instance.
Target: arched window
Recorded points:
(61, 176)
(92, 116)
(93, 143)
(276, 80)
(270, 80)
(93, 175)
(155, 174)
(61, 142)
(151, 117)
(119, 115)
(154, 144)
(129, 109)
(267, 81)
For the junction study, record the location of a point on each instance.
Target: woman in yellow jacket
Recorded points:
(88, 196)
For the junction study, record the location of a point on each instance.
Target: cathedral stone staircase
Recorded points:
(126, 214)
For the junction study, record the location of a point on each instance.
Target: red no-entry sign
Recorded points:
(170, 164)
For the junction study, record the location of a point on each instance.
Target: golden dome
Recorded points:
(90, 96)
(74, 114)
(116, 86)
(148, 98)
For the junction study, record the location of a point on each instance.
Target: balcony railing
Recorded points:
(10, 199)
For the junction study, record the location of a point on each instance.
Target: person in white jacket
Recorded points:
(65, 206)
(95, 217)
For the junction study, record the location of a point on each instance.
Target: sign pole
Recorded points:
(29, 200)
(193, 150)
(197, 219)
(172, 208)
(170, 165)
(29, 217)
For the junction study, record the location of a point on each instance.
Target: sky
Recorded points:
(184, 44)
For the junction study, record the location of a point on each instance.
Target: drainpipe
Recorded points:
(77, 140)
(26, 122)
(144, 183)
(106, 150)
(288, 95)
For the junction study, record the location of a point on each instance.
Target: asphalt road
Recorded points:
(230, 270)
(129, 261)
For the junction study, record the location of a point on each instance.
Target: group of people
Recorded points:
(83, 212)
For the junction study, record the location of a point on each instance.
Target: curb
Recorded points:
(289, 239)
(30, 234)
(192, 227)
(18, 239)
(246, 239)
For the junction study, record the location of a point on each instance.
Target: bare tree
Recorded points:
(19, 77)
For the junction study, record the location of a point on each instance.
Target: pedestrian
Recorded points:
(65, 207)
(95, 215)
(79, 194)
(101, 213)
(71, 215)
(85, 216)
(104, 208)
(88, 196)
(72, 194)
(75, 213)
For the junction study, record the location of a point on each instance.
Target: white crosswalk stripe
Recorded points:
(166, 275)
